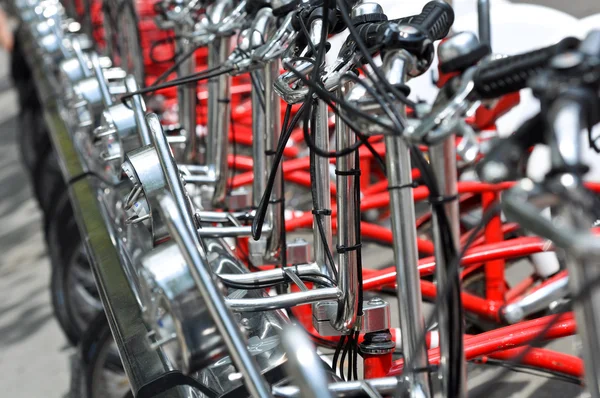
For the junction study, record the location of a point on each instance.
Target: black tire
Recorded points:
(74, 294)
(48, 183)
(34, 141)
(96, 362)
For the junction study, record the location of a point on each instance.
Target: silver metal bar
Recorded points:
(270, 276)
(219, 111)
(186, 93)
(199, 178)
(83, 63)
(259, 158)
(346, 231)
(443, 161)
(102, 86)
(224, 232)
(283, 300)
(138, 110)
(228, 328)
(567, 127)
(303, 363)
(169, 167)
(402, 208)
(385, 385)
(323, 192)
(536, 301)
(272, 133)
(485, 26)
(222, 217)
(194, 168)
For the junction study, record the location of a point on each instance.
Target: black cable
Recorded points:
(336, 354)
(282, 233)
(257, 86)
(355, 368)
(357, 218)
(331, 98)
(193, 78)
(453, 270)
(261, 211)
(380, 99)
(164, 40)
(546, 373)
(177, 63)
(367, 56)
(343, 357)
(351, 344)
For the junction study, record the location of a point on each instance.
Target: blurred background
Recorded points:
(34, 353)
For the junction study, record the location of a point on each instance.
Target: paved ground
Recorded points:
(34, 354)
(33, 351)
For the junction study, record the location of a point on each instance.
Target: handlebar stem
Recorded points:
(412, 325)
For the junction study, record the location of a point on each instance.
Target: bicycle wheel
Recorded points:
(74, 294)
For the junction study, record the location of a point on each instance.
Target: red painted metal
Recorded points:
(494, 270)
(375, 366)
(507, 337)
(513, 248)
(541, 358)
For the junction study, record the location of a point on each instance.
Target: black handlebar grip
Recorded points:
(371, 31)
(435, 20)
(510, 74)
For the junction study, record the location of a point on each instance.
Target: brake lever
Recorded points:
(443, 121)
(245, 57)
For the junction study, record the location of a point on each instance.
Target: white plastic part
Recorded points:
(545, 263)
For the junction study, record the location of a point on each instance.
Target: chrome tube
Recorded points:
(102, 86)
(224, 232)
(219, 113)
(567, 127)
(199, 178)
(169, 167)
(384, 386)
(273, 131)
(303, 364)
(186, 93)
(323, 190)
(485, 26)
(138, 111)
(283, 300)
(402, 208)
(259, 158)
(224, 320)
(270, 276)
(536, 301)
(223, 217)
(346, 231)
(443, 161)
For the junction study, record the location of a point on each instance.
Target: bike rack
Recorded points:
(143, 364)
